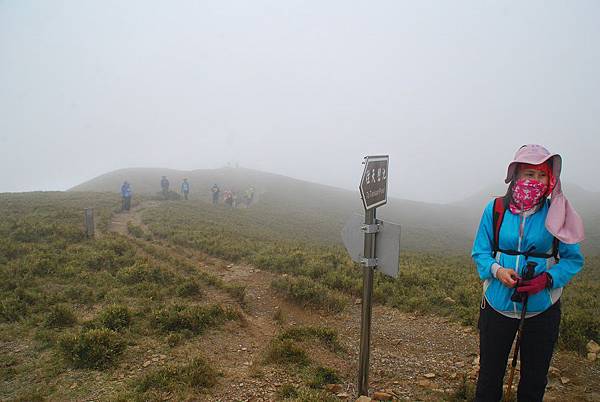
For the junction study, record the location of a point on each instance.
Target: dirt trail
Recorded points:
(118, 223)
(414, 357)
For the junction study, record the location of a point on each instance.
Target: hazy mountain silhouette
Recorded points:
(443, 228)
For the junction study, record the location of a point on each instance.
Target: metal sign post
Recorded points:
(373, 190)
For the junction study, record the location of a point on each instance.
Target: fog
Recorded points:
(300, 88)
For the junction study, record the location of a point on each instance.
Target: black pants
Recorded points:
(496, 335)
(126, 204)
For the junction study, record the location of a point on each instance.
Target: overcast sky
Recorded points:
(449, 89)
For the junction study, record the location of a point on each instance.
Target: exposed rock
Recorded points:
(382, 396)
(147, 363)
(333, 388)
(554, 372)
(429, 375)
(565, 380)
(425, 383)
(593, 347)
(343, 395)
(449, 300)
(363, 398)
(592, 356)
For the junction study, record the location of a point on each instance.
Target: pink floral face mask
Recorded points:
(526, 194)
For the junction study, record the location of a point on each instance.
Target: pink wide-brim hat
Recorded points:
(562, 219)
(533, 154)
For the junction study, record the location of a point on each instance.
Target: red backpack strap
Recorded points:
(497, 217)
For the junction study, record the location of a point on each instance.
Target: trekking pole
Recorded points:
(529, 270)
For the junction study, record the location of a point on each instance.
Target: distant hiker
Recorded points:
(164, 185)
(524, 229)
(185, 188)
(126, 195)
(215, 194)
(228, 198)
(249, 196)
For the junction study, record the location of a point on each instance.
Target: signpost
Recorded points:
(378, 237)
(373, 185)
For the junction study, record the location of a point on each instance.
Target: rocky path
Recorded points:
(413, 358)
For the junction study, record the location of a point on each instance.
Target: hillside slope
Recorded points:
(323, 210)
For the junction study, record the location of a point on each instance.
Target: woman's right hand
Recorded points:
(507, 276)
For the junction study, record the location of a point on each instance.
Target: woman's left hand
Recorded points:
(535, 285)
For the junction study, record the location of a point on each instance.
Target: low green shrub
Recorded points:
(309, 293)
(188, 289)
(115, 317)
(238, 292)
(321, 376)
(287, 391)
(81, 294)
(285, 351)
(142, 271)
(197, 374)
(192, 318)
(465, 392)
(12, 309)
(30, 396)
(60, 315)
(577, 328)
(327, 336)
(93, 348)
(135, 230)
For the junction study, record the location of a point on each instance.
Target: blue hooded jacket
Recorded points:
(126, 190)
(534, 233)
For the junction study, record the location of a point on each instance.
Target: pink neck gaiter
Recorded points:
(526, 194)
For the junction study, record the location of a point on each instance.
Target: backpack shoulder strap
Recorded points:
(497, 217)
(555, 250)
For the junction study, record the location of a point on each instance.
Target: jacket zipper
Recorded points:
(521, 230)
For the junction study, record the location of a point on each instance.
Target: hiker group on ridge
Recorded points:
(230, 198)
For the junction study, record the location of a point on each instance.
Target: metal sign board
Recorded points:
(387, 244)
(373, 184)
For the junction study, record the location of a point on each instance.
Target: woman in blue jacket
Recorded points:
(524, 226)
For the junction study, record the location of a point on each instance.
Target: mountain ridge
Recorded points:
(444, 228)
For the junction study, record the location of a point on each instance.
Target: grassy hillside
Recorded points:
(425, 227)
(76, 313)
(428, 282)
(120, 318)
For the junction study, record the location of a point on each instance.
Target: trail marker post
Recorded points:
(88, 214)
(364, 242)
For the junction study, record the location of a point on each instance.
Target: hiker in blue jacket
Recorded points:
(185, 188)
(164, 186)
(524, 226)
(215, 194)
(126, 196)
